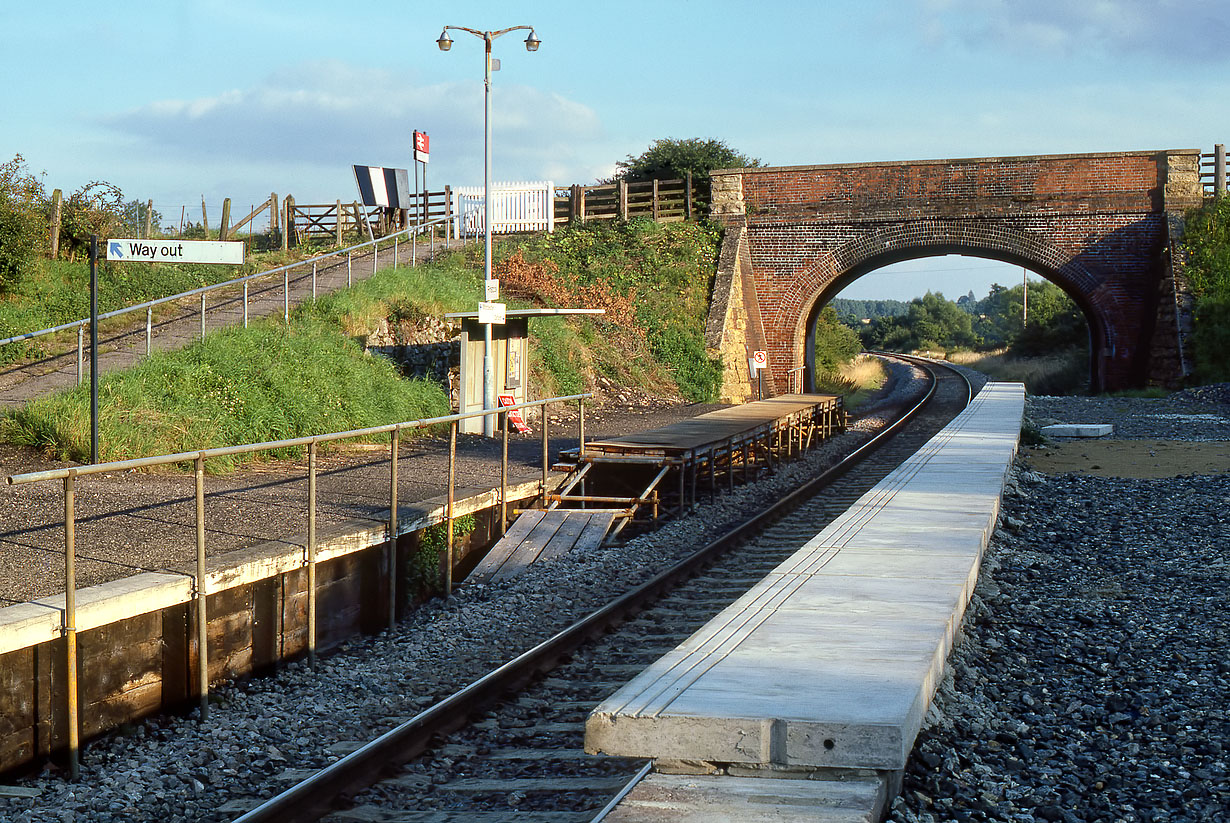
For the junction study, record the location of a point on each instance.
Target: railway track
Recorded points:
(509, 746)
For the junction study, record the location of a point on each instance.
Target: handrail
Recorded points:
(201, 581)
(271, 445)
(416, 229)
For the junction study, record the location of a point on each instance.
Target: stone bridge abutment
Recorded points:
(1101, 226)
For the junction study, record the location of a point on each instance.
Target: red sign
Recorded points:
(422, 144)
(515, 417)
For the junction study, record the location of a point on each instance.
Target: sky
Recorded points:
(184, 99)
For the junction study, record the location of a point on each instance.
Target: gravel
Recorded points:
(1092, 680)
(1091, 683)
(1194, 414)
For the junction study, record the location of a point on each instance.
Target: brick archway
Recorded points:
(829, 274)
(1101, 226)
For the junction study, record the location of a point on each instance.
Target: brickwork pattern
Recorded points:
(1094, 224)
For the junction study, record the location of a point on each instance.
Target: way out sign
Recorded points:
(176, 251)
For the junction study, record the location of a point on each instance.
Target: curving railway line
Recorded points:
(509, 746)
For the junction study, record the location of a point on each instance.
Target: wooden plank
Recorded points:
(476, 785)
(717, 426)
(594, 532)
(564, 539)
(531, 547)
(376, 814)
(502, 550)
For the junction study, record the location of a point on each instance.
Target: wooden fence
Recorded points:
(662, 200)
(665, 201)
(1213, 175)
(336, 219)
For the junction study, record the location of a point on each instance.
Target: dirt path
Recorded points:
(1131, 458)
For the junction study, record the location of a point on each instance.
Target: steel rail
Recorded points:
(316, 796)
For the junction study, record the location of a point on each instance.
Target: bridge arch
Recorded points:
(1103, 227)
(822, 279)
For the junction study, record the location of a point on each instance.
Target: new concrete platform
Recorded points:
(830, 662)
(1078, 430)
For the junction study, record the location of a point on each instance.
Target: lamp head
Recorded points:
(444, 42)
(532, 42)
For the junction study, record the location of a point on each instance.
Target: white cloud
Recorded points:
(1170, 31)
(306, 125)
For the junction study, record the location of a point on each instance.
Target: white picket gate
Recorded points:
(514, 207)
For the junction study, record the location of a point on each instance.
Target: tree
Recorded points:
(670, 159)
(836, 343)
(23, 224)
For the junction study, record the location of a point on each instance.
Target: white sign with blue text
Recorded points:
(176, 251)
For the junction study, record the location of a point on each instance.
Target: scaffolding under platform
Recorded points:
(633, 480)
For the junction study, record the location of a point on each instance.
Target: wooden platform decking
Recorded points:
(706, 432)
(542, 535)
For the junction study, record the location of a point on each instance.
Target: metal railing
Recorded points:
(69, 477)
(149, 306)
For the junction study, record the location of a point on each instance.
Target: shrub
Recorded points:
(1211, 339)
(23, 226)
(836, 343)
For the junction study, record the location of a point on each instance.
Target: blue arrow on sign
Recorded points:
(116, 251)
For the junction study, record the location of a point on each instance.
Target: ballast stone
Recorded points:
(1078, 430)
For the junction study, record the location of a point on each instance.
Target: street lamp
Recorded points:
(531, 44)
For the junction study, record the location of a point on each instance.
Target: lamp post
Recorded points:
(531, 44)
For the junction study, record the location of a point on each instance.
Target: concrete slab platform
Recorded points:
(1078, 430)
(701, 799)
(831, 661)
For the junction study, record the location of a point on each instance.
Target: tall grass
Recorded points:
(857, 380)
(268, 382)
(447, 285)
(1065, 372)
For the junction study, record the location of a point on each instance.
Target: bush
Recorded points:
(23, 225)
(836, 343)
(672, 159)
(1211, 339)
(95, 208)
(1206, 241)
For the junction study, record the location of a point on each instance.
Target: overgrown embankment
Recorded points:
(274, 381)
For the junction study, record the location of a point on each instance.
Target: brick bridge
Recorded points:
(1100, 226)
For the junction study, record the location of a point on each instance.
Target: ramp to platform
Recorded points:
(832, 660)
(542, 535)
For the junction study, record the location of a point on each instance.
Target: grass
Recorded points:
(652, 279)
(448, 285)
(273, 381)
(856, 380)
(265, 383)
(55, 292)
(1058, 374)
